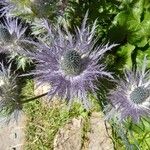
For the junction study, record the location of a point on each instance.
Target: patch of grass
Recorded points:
(43, 122)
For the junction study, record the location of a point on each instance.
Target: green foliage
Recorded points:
(123, 56)
(102, 10)
(142, 53)
(131, 136)
(132, 25)
(21, 61)
(139, 133)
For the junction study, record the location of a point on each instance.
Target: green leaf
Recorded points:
(121, 18)
(138, 38)
(124, 52)
(137, 32)
(22, 62)
(146, 24)
(141, 55)
(137, 9)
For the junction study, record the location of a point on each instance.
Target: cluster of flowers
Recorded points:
(71, 64)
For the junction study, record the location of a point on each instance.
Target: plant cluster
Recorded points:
(76, 47)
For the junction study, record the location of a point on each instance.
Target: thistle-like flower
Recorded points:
(13, 40)
(10, 106)
(131, 98)
(71, 63)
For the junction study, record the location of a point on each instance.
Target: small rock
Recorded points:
(43, 88)
(99, 138)
(70, 136)
(12, 135)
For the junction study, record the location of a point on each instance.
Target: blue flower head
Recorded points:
(70, 63)
(131, 98)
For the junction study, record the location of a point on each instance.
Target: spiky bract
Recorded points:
(13, 40)
(70, 64)
(10, 105)
(131, 98)
(12, 35)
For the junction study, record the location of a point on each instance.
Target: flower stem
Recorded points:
(34, 98)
